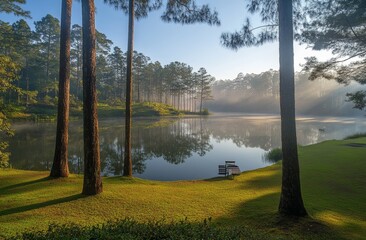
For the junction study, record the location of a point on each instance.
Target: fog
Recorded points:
(259, 93)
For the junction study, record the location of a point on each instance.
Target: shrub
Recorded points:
(274, 155)
(205, 112)
(130, 229)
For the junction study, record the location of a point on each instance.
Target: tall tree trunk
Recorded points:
(127, 166)
(138, 89)
(78, 67)
(60, 166)
(291, 202)
(48, 61)
(201, 99)
(92, 178)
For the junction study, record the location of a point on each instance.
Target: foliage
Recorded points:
(4, 128)
(131, 229)
(205, 111)
(204, 81)
(337, 26)
(142, 7)
(8, 74)
(12, 6)
(177, 11)
(274, 155)
(358, 98)
(259, 35)
(187, 12)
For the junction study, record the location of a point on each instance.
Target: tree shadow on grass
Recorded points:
(262, 215)
(41, 205)
(24, 184)
(262, 182)
(248, 181)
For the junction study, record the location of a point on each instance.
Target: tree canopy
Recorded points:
(250, 35)
(177, 11)
(13, 6)
(8, 73)
(338, 26)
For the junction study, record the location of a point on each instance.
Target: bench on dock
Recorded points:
(229, 169)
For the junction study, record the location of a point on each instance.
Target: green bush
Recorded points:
(205, 112)
(130, 229)
(274, 155)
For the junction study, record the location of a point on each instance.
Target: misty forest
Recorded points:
(98, 140)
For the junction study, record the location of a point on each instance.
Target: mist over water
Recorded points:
(259, 93)
(174, 149)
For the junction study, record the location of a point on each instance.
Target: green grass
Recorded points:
(333, 177)
(44, 112)
(357, 135)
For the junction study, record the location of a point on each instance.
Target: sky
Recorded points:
(197, 45)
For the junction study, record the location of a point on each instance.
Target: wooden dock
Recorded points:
(229, 169)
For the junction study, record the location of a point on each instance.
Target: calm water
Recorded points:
(173, 149)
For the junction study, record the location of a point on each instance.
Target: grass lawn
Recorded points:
(333, 177)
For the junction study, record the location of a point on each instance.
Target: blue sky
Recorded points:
(197, 45)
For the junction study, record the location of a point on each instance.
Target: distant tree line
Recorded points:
(37, 54)
(259, 93)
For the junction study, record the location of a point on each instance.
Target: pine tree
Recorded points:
(204, 81)
(60, 166)
(338, 26)
(92, 177)
(278, 16)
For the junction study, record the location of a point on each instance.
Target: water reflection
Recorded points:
(171, 149)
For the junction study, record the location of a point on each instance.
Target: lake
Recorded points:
(175, 148)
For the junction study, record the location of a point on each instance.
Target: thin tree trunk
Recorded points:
(127, 166)
(48, 60)
(27, 80)
(60, 166)
(78, 67)
(92, 178)
(291, 202)
(201, 100)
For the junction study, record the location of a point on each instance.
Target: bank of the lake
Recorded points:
(333, 175)
(46, 112)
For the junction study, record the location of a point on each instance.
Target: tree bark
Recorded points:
(92, 178)
(127, 166)
(60, 166)
(291, 202)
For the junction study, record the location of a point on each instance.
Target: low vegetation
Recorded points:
(333, 176)
(354, 136)
(274, 155)
(129, 229)
(44, 112)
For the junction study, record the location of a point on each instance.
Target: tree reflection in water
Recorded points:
(171, 140)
